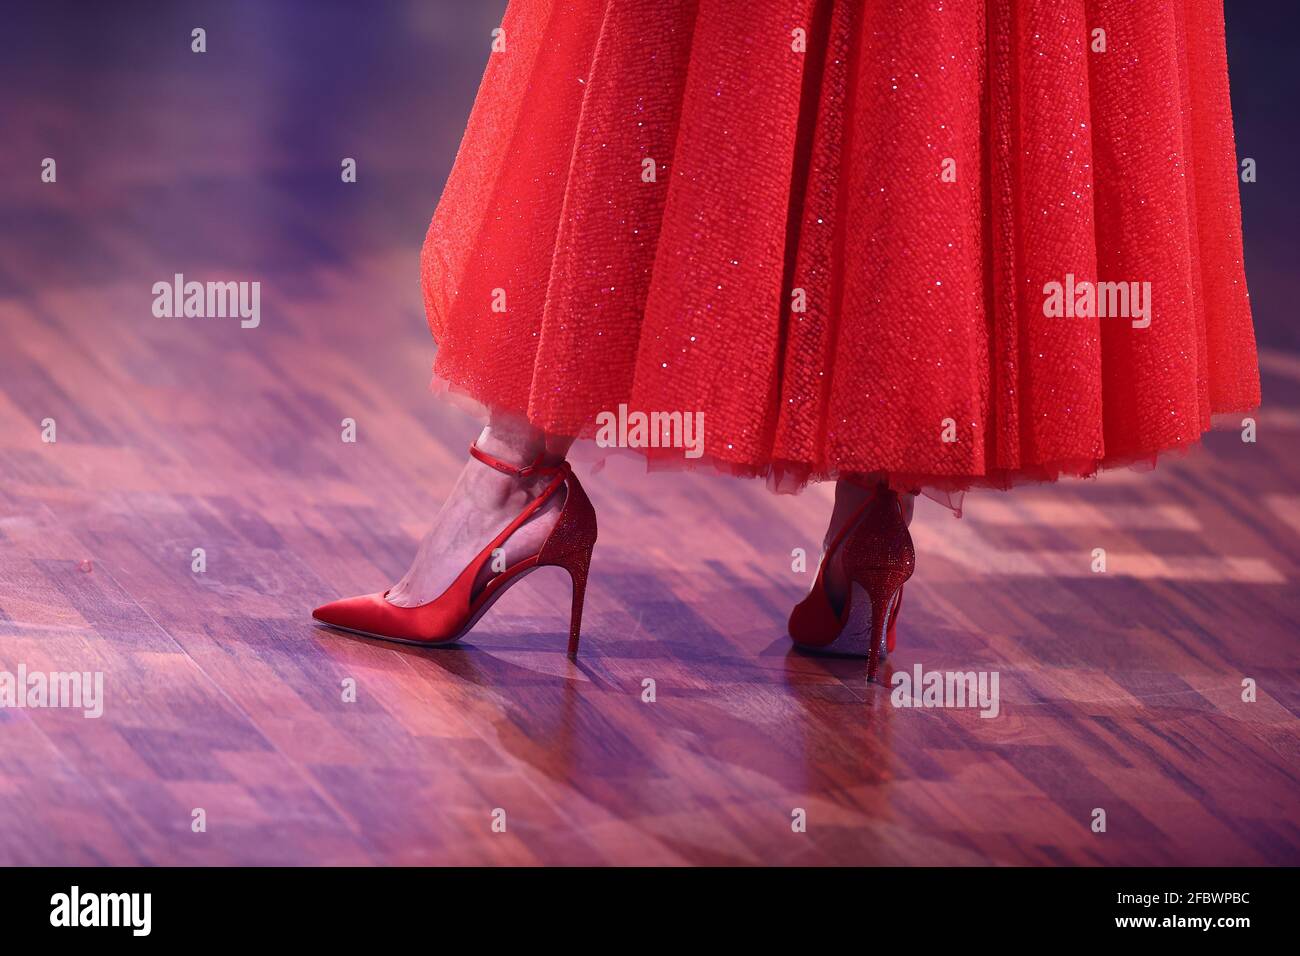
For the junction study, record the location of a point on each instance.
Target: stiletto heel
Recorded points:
(452, 614)
(881, 588)
(893, 620)
(578, 574)
(878, 558)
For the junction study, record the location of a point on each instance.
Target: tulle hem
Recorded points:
(791, 477)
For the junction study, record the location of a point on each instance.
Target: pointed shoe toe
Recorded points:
(353, 614)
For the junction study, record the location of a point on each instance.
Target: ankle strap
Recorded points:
(536, 468)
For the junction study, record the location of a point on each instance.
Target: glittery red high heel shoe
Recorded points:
(453, 613)
(878, 558)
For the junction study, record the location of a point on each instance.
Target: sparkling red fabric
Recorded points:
(922, 350)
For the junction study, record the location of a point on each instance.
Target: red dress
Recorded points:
(857, 236)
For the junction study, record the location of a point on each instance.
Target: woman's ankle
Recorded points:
(850, 496)
(517, 442)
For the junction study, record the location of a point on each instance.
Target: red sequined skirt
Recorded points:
(962, 243)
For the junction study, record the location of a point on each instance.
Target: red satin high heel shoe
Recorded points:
(452, 614)
(878, 558)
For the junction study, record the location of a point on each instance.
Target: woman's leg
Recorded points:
(482, 502)
(849, 498)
